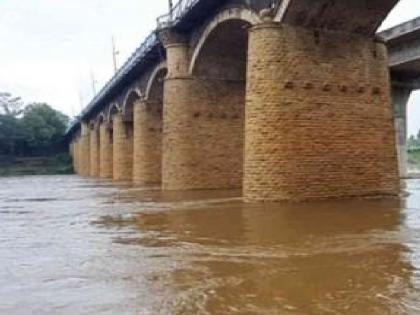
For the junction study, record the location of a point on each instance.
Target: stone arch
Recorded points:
(94, 147)
(101, 119)
(132, 96)
(92, 124)
(160, 68)
(233, 14)
(105, 145)
(148, 124)
(112, 110)
(207, 126)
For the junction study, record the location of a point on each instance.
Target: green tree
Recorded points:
(44, 128)
(12, 136)
(412, 142)
(9, 105)
(11, 132)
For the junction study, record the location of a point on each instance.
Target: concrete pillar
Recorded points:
(105, 151)
(84, 150)
(147, 151)
(318, 116)
(400, 97)
(94, 152)
(122, 149)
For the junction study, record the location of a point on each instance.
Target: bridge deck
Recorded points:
(403, 43)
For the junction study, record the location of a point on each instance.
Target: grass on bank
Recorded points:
(60, 164)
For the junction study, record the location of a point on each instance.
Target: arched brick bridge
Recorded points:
(288, 100)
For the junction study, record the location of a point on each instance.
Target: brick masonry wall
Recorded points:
(147, 167)
(203, 134)
(105, 152)
(203, 122)
(318, 116)
(75, 155)
(84, 151)
(122, 149)
(94, 152)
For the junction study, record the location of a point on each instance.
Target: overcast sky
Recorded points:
(49, 48)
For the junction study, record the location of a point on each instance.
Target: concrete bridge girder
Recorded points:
(404, 60)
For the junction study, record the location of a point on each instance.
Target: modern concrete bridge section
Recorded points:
(403, 43)
(289, 100)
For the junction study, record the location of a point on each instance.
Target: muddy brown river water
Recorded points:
(78, 246)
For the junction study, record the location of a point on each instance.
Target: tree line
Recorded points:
(35, 129)
(413, 142)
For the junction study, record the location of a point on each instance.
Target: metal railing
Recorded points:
(176, 13)
(138, 54)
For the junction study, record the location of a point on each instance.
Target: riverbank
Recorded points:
(22, 166)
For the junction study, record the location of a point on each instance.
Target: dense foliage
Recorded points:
(34, 130)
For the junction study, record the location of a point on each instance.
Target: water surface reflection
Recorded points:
(78, 246)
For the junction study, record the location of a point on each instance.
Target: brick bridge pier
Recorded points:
(288, 100)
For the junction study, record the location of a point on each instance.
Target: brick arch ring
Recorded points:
(100, 120)
(114, 108)
(241, 14)
(136, 92)
(161, 66)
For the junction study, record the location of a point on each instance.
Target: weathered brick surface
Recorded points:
(317, 122)
(105, 152)
(203, 120)
(318, 116)
(147, 162)
(203, 134)
(84, 150)
(76, 160)
(74, 149)
(122, 149)
(94, 152)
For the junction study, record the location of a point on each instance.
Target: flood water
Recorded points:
(70, 245)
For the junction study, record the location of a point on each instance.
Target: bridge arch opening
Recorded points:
(218, 67)
(94, 148)
(113, 110)
(239, 18)
(131, 98)
(148, 124)
(105, 146)
(122, 144)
